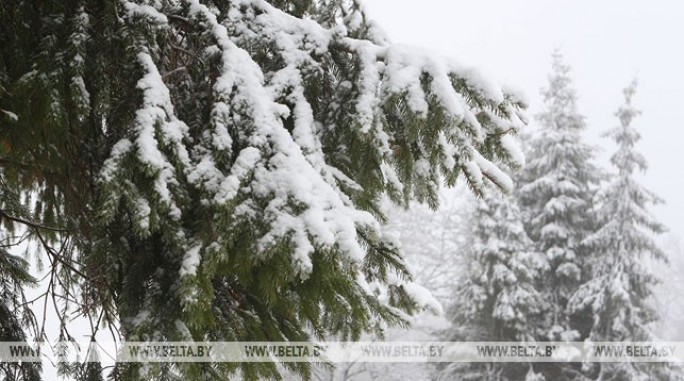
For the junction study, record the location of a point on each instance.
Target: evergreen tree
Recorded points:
(499, 300)
(556, 194)
(619, 294)
(432, 242)
(670, 324)
(218, 166)
(17, 321)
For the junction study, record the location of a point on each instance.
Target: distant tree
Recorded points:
(499, 300)
(557, 191)
(556, 195)
(434, 241)
(619, 294)
(16, 317)
(668, 293)
(215, 168)
(434, 244)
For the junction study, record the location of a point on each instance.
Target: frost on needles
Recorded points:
(233, 158)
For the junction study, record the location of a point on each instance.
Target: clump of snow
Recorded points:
(10, 115)
(190, 261)
(421, 295)
(493, 172)
(144, 10)
(142, 211)
(111, 165)
(391, 177)
(243, 166)
(508, 142)
(367, 100)
(515, 93)
(156, 110)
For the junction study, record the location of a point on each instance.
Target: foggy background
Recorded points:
(607, 44)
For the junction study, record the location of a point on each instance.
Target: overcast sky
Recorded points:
(606, 43)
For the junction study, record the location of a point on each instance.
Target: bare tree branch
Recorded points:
(31, 223)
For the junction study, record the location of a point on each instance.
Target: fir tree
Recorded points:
(499, 300)
(619, 294)
(556, 196)
(218, 166)
(17, 320)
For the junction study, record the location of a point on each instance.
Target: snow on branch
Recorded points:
(307, 123)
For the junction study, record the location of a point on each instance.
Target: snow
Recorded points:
(554, 231)
(206, 174)
(569, 270)
(248, 162)
(400, 76)
(148, 151)
(509, 143)
(515, 93)
(503, 275)
(243, 166)
(422, 296)
(625, 235)
(142, 211)
(190, 261)
(390, 176)
(503, 308)
(493, 172)
(111, 165)
(329, 220)
(368, 88)
(141, 318)
(77, 41)
(474, 173)
(354, 20)
(10, 115)
(480, 82)
(80, 85)
(448, 149)
(144, 10)
(157, 110)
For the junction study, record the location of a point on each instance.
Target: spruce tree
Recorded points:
(619, 294)
(557, 192)
(17, 320)
(556, 196)
(215, 168)
(499, 300)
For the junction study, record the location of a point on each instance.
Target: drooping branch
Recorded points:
(31, 224)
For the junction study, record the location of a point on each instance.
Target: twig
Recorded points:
(195, 56)
(31, 223)
(174, 71)
(181, 19)
(59, 259)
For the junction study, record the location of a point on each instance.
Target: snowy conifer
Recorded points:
(556, 195)
(619, 294)
(499, 300)
(17, 320)
(219, 166)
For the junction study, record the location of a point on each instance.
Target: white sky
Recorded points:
(607, 43)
